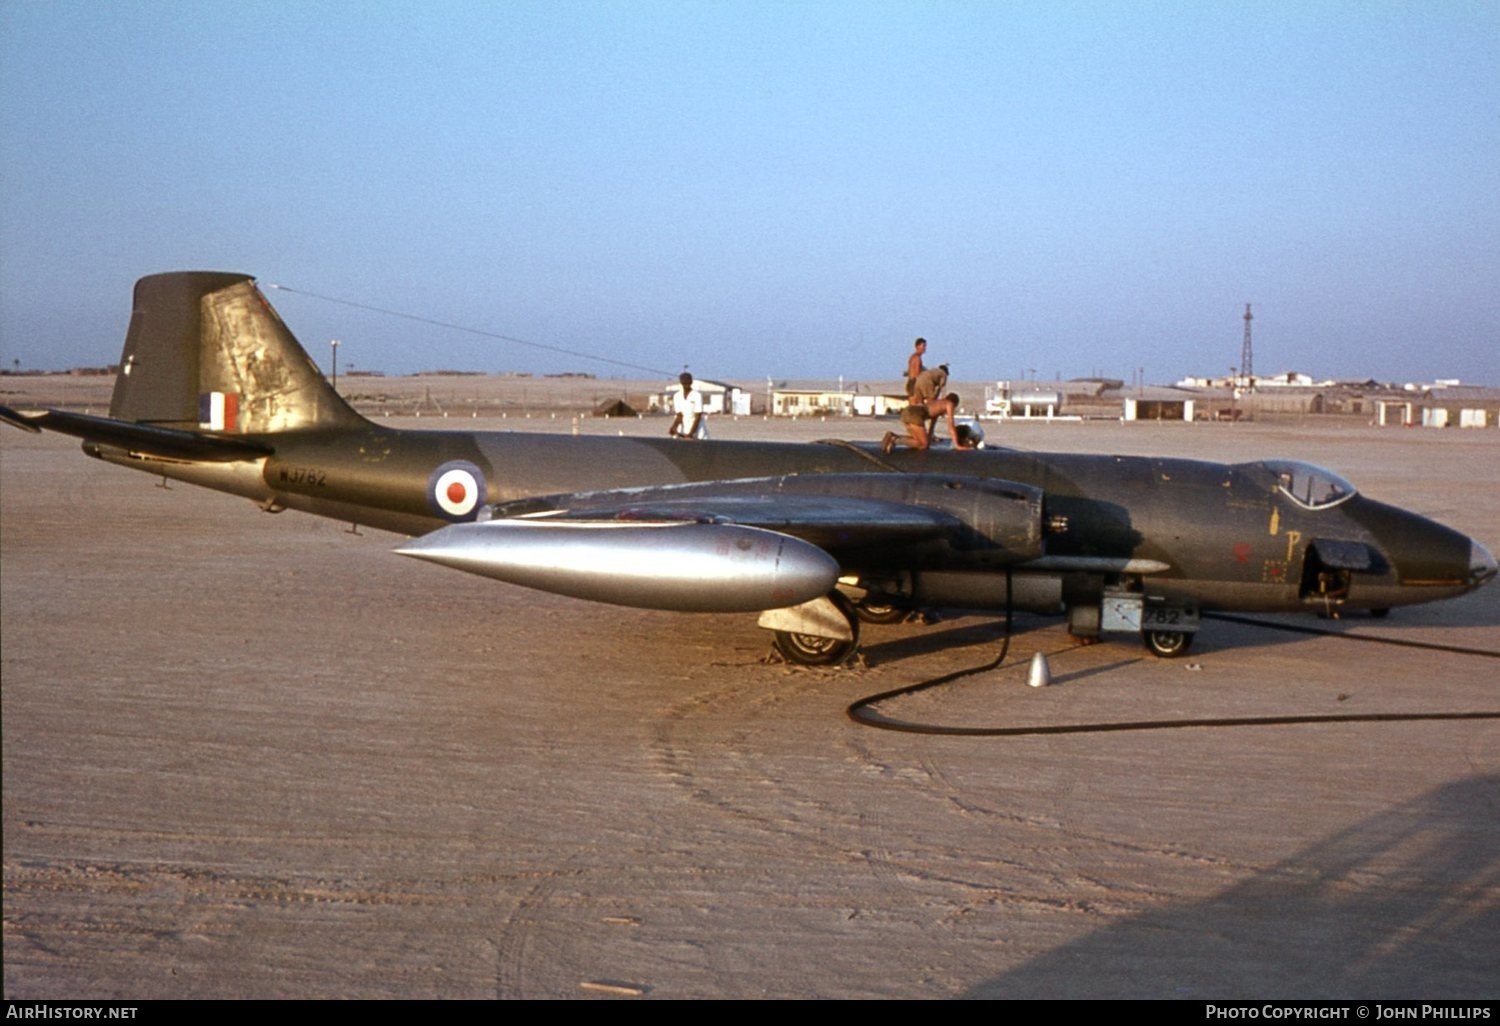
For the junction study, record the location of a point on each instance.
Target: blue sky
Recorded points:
(785, 189)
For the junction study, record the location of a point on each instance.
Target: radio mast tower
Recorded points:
(1247, 371)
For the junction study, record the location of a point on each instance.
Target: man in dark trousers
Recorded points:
(928, 404)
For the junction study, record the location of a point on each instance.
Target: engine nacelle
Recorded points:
(1002, 520)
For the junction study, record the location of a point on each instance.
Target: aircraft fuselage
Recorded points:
(1222, 536)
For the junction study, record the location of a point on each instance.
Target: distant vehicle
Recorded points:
(215, 391)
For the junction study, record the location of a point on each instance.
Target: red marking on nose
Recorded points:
(456, 492)
(1242, 552)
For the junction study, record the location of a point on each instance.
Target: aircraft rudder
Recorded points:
(205, 351)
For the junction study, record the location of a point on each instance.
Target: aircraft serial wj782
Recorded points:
(215, 391)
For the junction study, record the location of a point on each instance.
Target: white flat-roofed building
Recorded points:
(718, 397)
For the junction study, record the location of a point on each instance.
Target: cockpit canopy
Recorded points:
(1307, 485)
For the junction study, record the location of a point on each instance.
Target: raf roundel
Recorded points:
(455, 490)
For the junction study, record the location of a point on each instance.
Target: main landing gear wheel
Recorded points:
(873, 610)
(1168, 644)
(816, 650)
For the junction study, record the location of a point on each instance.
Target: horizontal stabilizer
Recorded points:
(20, 420)
(146, 439)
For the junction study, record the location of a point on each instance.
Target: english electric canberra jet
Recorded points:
(215, 391)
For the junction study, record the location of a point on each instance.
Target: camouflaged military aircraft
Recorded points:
(215, 391)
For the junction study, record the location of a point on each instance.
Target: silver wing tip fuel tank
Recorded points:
(682, 567)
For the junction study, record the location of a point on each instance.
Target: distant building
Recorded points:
(1455, 405)
(1286, 379)
(717, 397)
(810, 402)
(879, 405)
(1153, 402)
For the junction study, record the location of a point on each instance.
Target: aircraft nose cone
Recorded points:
(1481, 564)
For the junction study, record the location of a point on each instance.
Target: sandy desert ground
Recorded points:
(258, 756)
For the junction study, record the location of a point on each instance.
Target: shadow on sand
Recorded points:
(1405, 904)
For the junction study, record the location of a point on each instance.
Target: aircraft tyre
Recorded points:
(872, 610)
(1381, 612)
(1168, 644)
(815, 650)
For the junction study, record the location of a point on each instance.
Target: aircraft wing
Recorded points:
(740, 545)
(146, 439)
(844, 513)
(831, 522)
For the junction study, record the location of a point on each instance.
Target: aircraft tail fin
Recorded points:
(206, 352)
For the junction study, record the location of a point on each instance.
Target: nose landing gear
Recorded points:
(1167, 644)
